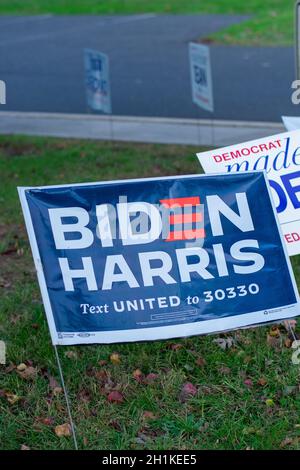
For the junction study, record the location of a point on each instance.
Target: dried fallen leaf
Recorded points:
(150, 378)
(286, 442)
(84, 395)
(247, 359)
(101, 375)
(274, 331)
(274, 341)
(225, 370)
(105, 382)
(12, 398)
(29, 373)
(288, 343)
(201, 362)
(137, 375)
(57, 391)
(176, 346)
(14, 319)
(149, 415)
(41, 421)
(102, 363)
(24, 447)
(54, 386)
(269, 402)
(115, 358)
(47, 421)
(71, 354)
(115, 397)
(188, 390)
(116, 425)
(262, 382)
(10, 368)
(52, 382)
(248, 383)
(4, 283)
(63, 430)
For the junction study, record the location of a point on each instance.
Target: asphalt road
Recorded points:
(41, 60)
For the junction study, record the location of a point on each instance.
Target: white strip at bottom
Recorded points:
(177, 331)
(202, 132)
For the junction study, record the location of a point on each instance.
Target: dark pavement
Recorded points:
(41, 60)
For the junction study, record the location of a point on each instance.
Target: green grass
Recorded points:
(225, 414)
(272, 23)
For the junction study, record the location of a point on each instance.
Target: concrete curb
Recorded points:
(136, 129)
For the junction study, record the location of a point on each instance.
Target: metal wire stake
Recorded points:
(291, 331)
(66, 397)
(112, 137)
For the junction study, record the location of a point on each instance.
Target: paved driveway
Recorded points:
(41, 59)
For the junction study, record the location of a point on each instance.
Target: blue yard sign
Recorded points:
(97, 81)
(158, 258)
